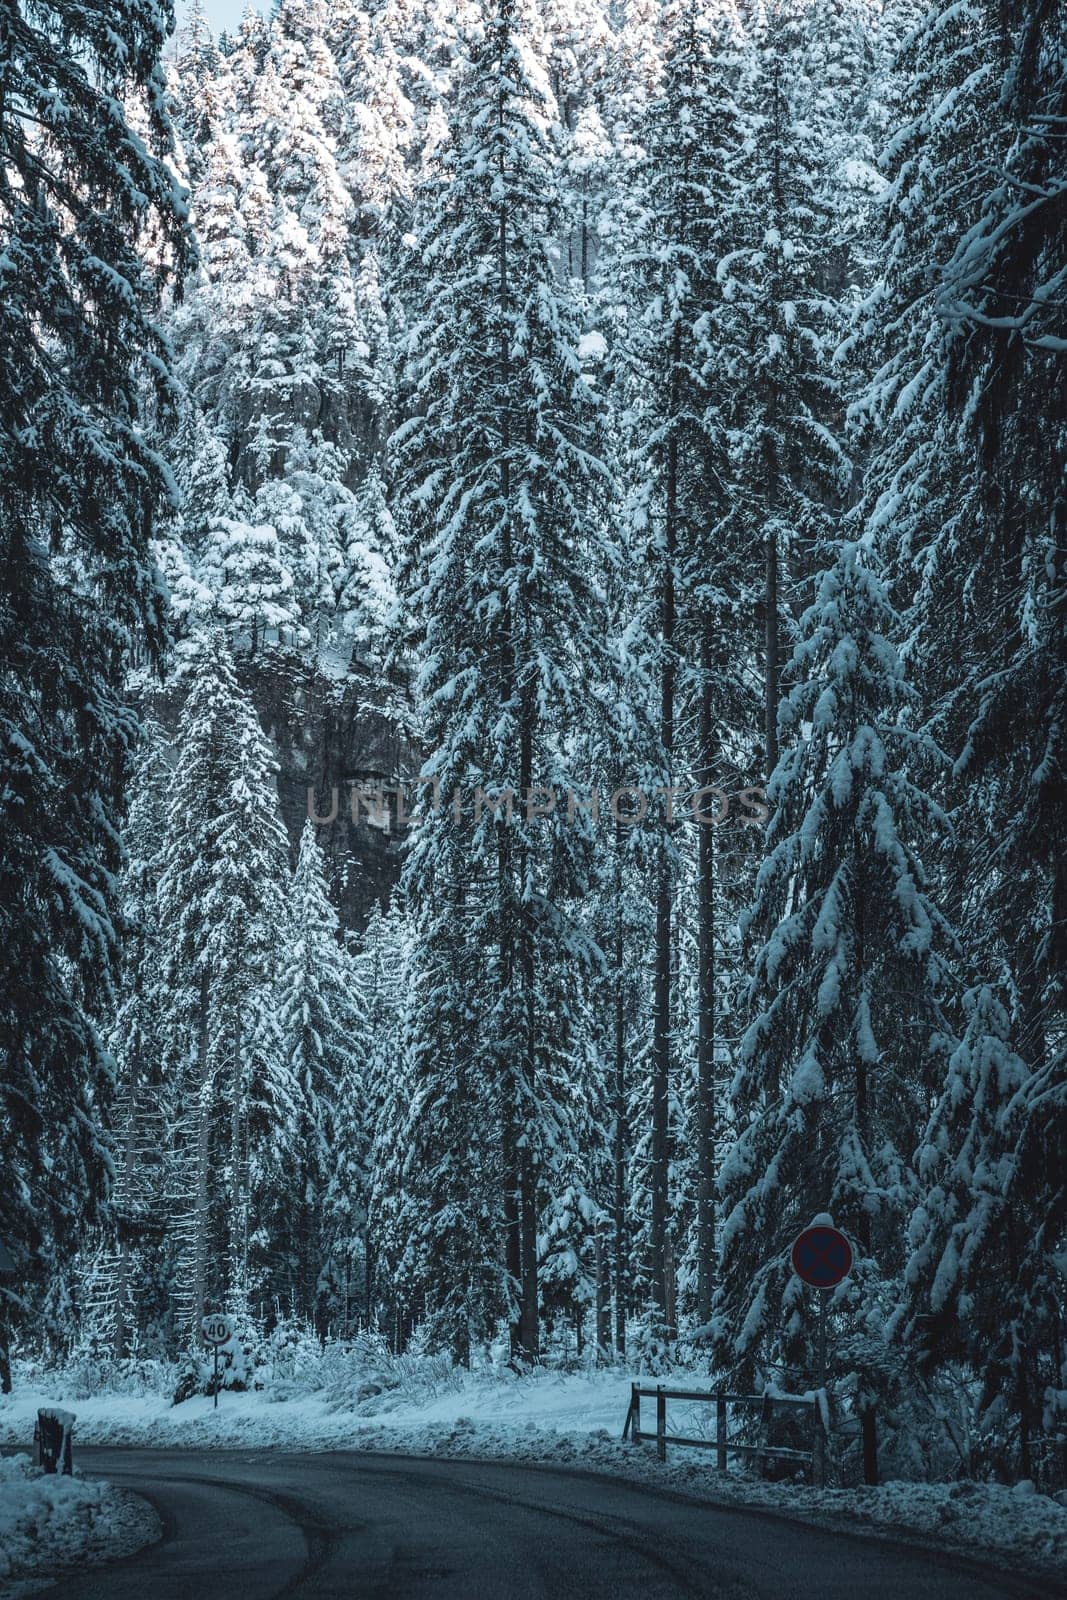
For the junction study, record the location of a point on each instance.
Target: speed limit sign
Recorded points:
(216, 1328)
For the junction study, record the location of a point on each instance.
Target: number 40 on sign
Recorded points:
(217, 1330)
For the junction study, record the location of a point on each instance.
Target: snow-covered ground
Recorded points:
(563, 1419)
(49, 1522)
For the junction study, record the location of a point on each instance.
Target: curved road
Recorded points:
(256, 1525)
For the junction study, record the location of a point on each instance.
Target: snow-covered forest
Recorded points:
(533, 713)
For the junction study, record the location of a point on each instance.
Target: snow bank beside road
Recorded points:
(48, 1522)
(571, 1421)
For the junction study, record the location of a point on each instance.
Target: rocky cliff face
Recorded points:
(333, 735)
(339, 752)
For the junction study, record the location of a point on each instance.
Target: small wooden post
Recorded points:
(628, 1424)
(661, 1423)
(635, 1431)
(818, 1447)
(720, 1432)
(51, 1440)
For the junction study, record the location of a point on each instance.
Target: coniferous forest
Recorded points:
(533, 694)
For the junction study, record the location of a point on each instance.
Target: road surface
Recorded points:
(257, 1524)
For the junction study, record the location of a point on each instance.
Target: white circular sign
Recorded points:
(216, 1328)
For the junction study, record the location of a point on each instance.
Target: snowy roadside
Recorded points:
(48, 1523)
(569, 1421)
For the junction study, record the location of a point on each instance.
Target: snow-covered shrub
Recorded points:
(91, 1369)
(367, 1377)
(293, 1360)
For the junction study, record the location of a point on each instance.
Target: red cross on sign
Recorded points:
(822, 1257)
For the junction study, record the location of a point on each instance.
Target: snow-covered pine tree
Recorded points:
(321, 1018)
(222, 905)
(199, 90)
(81, 366)
(376, 134)
(376, 1228)
(278, 334)
(1006, 361)
(504, 489)
(138, 1041)
(847, 1040)
(255, 597)
(439, 1191)
(965, 495)
(781, 399)
(689, 138)
(966, 1233)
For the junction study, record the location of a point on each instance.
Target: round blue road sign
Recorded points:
(822, 1257)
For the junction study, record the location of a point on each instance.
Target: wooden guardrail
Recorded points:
(723, 1445)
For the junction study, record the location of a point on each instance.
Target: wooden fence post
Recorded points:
(720, 1432)
(628, 1424)
(635, 1401)
(661, 1423)
(818, 1444)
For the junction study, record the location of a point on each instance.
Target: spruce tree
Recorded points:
(503, 485)
(82, 370)
(965, 496)
(322, 1026)
(847, 1037)
(222, 905)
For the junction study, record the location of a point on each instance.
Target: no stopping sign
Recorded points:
(822, 1256)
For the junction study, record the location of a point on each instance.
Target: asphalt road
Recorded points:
(254, 1525)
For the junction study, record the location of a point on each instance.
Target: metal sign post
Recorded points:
(821, 1257)
(217, 1331)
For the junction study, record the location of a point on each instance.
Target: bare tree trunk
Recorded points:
(238, 1251)
(5, 1349)
(530, 1337)
(705, 1092)
(621, 1139)
(516, 1175)
(603, 1297)
(868, 1420)
(1023, 1395)
(122, 1273)
(772, 465)
(771, 671)
(201, 1209)
(368, 1283)
(509, 1136)
(661, 1029)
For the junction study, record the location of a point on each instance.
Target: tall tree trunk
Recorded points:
(772, 461)
(129, 1156)
(238, 1252)
(122, 1289)
(509, 1139)
(661, 1031)
(516, 1181)
(868, 1421)
(603, 1297)
(202, 1202)
(368, 1282)
(530, 1332)
(771, 654)
(705, 1092)
(621, 1138)
(1023, 1394)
